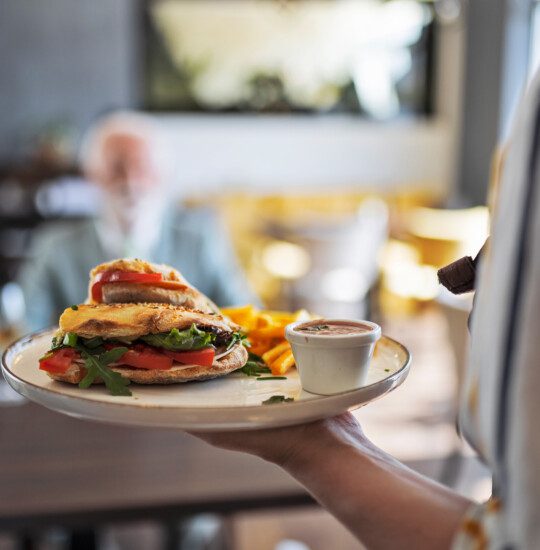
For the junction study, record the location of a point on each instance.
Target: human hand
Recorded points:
(284, 446)
(383, 503)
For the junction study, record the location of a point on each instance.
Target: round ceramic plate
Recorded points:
(232, 402)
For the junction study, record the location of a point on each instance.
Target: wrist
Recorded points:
(315, 450)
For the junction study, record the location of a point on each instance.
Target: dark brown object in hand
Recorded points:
(459, 276)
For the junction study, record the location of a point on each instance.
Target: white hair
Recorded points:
(121, 122)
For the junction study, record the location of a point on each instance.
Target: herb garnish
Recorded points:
(277, 399)
(315, 328)
(254, 368)
(74, 307)
(96, 361)
(96, 367)
(239, 337)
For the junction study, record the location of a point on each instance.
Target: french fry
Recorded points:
(280, 317)
(264, 320)
(268, 332)
(259, 347)
(245, 316)
(275, 352)
(239, 311)
(282, 364)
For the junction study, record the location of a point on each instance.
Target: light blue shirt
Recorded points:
(192, 241)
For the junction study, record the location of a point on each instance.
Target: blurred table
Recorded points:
(59, 471)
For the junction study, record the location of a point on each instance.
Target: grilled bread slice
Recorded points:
(135, 320)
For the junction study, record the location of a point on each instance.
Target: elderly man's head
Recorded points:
(119, 155)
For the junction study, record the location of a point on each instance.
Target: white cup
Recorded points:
(333, 363)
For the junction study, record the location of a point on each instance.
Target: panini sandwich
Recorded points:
(116, 344)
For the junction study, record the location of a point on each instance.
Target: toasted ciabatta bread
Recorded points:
(178, 374)
(134, 320)
(131, 321)
(173, 289)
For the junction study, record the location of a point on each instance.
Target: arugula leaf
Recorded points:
(96, 361)
(277, 399)
(239, 337)
(94, 342)
(254, 368)
(96, 367)
(176, 340)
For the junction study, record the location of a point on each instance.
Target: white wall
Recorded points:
(277, 153)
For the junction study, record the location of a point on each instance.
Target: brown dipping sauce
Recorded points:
(332, 328)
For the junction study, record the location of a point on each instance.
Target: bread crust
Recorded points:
(138, 266)
(236, 359)
(136, 320)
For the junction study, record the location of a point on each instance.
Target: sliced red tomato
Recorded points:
(202, 357)
(115, 276)
(59, 361)
(146, 359)
(141, 356)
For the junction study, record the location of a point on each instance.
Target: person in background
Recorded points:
(136, 218)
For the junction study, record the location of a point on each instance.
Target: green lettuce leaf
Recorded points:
(176, 340)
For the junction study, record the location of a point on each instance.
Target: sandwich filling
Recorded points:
(175, 349)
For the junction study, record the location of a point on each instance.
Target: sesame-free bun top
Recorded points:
(136, 320)
(139, 266)
(174, 288)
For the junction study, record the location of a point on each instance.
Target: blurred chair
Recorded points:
(343, 262)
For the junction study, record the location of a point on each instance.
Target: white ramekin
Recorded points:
(333, 364)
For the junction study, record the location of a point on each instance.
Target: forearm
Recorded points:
(382, 502)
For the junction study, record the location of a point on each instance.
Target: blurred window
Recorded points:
(534, 57)
(366, 57)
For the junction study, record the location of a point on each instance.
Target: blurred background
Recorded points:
(347, 147)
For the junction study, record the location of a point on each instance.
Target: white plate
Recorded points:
(231, 402)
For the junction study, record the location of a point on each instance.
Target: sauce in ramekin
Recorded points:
(323, 327)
